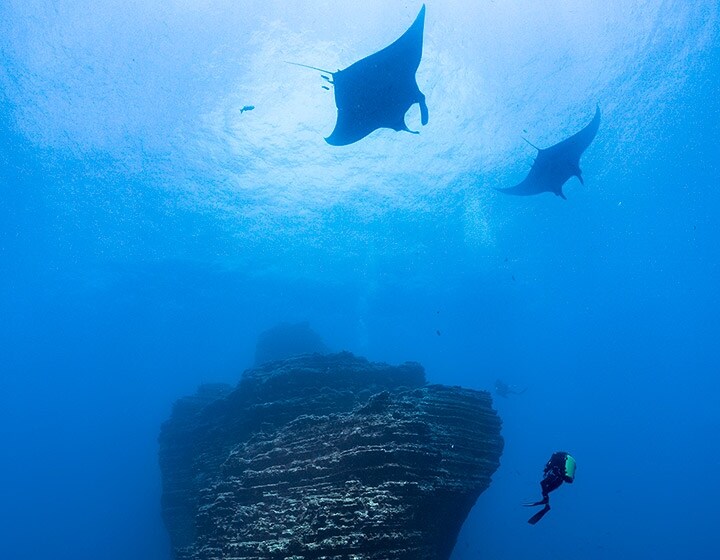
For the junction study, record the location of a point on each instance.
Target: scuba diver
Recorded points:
(503, 389)
(560, 468)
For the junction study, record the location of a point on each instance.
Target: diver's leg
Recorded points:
(550, 483)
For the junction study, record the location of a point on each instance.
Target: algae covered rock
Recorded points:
(326, 457)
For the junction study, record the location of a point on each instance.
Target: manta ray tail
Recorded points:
(308, 66)
(528, 141)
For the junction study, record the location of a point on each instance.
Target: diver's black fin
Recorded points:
(539, 515)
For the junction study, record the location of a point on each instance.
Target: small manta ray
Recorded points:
(553, 166)
(503, 389)
(377, 91)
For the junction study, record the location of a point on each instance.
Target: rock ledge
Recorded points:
(325, 457)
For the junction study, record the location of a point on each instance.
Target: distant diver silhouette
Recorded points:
(503, 389)
(560, 468)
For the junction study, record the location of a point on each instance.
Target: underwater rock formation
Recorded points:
(325, 457)
(287, 340)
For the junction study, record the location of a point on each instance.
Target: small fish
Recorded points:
(247, 108)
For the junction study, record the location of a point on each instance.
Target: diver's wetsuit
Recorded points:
(560, 468)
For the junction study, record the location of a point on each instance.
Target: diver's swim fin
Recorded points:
(540, 503)
(539, 515)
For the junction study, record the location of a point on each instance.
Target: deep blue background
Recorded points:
(119, 295)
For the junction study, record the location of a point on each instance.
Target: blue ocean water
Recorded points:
(149, 231)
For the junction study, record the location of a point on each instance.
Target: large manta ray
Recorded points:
(377, 91)
(555, 165)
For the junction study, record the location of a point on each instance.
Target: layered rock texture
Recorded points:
(325, 457)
